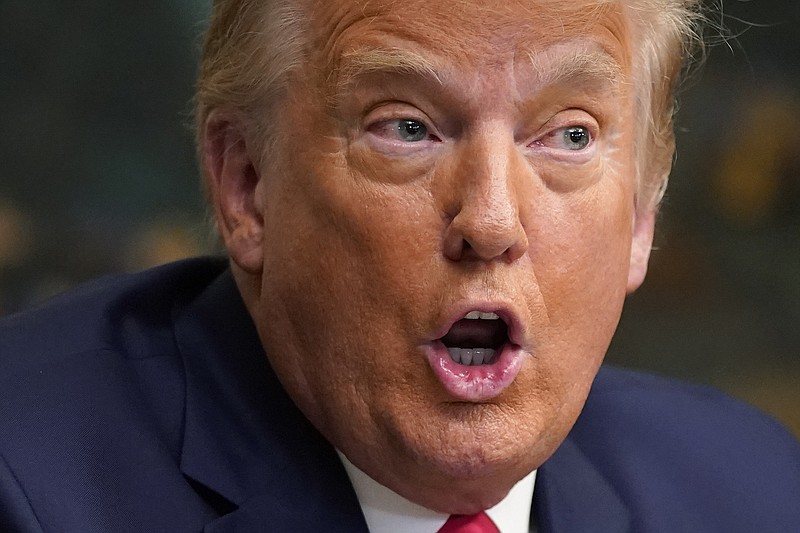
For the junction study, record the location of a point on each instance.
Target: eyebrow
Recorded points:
(362, 62)
(593, 66)
(580, 65)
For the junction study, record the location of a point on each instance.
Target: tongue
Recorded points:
(476, 334)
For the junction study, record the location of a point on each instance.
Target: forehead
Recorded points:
(466, 33)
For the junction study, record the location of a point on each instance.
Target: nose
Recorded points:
(485, 223)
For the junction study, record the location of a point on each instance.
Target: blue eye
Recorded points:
(576, 138)
(411, 130)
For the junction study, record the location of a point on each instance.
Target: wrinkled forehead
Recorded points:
(468, 33)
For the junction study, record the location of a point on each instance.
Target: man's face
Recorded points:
(436, 161)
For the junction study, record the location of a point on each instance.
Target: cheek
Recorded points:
(579, 253)
(349, 258)
(584, 246)
(377, 221)
(582, 238)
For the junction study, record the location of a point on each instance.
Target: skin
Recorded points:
(356, 242)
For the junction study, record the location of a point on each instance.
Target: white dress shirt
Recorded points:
(388, 512)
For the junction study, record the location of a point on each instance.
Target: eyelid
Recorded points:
(390, 130)
(388, 111)
(392, 112)
(573, 118)
(394, 120)
(559, 134)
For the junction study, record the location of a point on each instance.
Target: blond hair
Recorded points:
(251, 46)
(668, 36)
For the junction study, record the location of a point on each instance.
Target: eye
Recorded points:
(570, 138)
(576, 137)
(411, 130)
(404, 129)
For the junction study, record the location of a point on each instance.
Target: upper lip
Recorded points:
(504, 311)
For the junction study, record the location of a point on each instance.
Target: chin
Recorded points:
(473, 461)
(479, 444)
(467, 484)
(470, 502)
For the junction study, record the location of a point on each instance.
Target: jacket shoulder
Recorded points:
(664, 407)
(102, 314)
(61, 358)
(92, 394)
(689, 451)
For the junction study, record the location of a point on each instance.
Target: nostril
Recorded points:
(467, 252)
(463, 243)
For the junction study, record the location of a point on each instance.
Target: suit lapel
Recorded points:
(572, 495)
(246, 447)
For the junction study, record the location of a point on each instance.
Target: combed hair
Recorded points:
(252, 45)
(668, 37)
(249, 48)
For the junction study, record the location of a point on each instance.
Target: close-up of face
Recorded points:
(444, 232)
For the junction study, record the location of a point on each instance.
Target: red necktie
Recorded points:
(472, 523)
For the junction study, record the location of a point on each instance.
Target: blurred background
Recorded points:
(97, 175)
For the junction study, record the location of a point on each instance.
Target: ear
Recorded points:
(233, 182)
(641, 244)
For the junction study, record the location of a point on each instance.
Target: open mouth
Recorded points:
(476, 339)
(480, 354)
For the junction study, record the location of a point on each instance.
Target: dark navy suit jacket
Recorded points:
(144, 403)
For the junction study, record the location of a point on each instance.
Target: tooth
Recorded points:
(472, 356)
(455, 354)
(479, 315)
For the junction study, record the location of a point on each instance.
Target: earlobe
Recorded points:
(641, 244)
(233, 181)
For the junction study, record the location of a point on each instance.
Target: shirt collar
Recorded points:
(386, 511)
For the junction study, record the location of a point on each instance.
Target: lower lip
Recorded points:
(474, 383)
